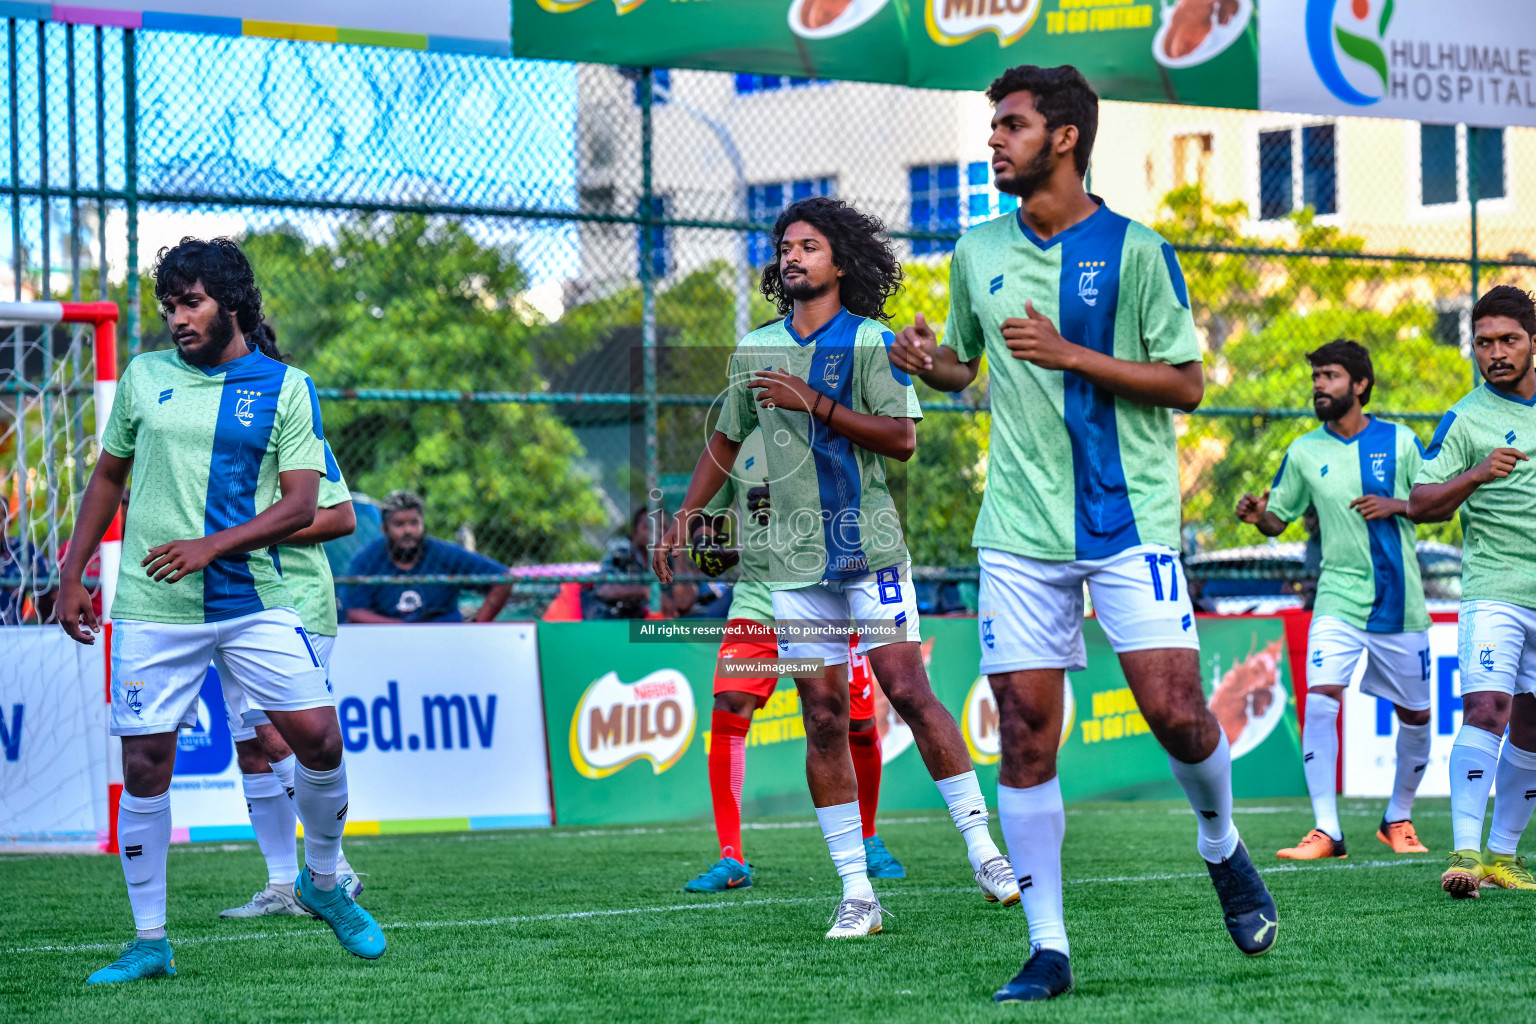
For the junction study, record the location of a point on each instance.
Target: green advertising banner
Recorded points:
(1201, 52)
(628, 724)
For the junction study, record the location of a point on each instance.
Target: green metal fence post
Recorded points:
(648, 309)
(101, 166)
(1474, 166)
(131, 181)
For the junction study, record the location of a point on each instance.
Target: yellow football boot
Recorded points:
(1464, 875)
(1506, 871)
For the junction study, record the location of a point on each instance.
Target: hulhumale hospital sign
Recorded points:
(1471, 61)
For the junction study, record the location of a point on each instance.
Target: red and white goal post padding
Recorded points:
(103, 317)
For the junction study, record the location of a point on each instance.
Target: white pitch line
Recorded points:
(576, 915)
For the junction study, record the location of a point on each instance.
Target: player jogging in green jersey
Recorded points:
(227, 452)
(738, 516)
(266, 764)
(1476, 462)
(1084, 318)
(831, 408)
(1356, 470)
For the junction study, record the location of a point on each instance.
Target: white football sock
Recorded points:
(1412, 759)
(284, 771)
(1515, 797)
(968, 809)
(321, 798)
(143, 837)
(1474, 757)
(1320, 761)
(1208, 786)
(844, 830)
(272, 817)
(1034, 822)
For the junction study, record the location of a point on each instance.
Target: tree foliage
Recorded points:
(405, 302)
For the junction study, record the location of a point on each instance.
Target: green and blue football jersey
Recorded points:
(305, 568)
(832, 516)
(207, 447)
(1498, 552)
(750, 597)
(1370, 576)
(1073, 472)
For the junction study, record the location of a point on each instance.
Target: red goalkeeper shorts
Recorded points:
(747, 639)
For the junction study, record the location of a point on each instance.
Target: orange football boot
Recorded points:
(1400, 836)
(1316, 845)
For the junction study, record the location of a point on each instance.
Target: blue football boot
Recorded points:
(142, 958)
(358, 932)
(878, 860)
(1045, 975)
(727, 873)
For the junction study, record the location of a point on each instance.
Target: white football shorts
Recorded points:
(158, 668)
(242, 719)
(1030, 611)
(1396, 664)
(1496, 647)
(836, 606)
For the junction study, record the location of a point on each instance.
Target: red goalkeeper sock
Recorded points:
(727, 769)
(865, 748)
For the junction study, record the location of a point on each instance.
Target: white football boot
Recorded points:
(854, 918)
(268, 902)
(347, 878)
(997, 882)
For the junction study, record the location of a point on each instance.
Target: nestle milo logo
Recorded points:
(616, 723)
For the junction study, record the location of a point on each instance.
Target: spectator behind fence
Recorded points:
(406, 550)
(631, 554)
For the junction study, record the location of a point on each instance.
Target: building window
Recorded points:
(1444, 157)
(1319, 169)
(1298, 167)
(766, 201)
(1191, 159)
(942, 199)
(749, 84)
(661, 239)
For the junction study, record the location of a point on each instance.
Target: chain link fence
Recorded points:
(506, 276)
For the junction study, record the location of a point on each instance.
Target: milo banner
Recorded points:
(628, 724)
(1202, 52)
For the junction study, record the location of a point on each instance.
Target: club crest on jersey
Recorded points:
(1485, 656)
(1088, 272)
(829, 373)
(132, 697)
(987, 636)
(1379, 466)
(243, 411)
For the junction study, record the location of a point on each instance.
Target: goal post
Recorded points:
(62, 772)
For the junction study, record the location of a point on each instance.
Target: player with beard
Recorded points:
(1082, 487)
(227, 453)
(1356, 470)
(1475, 462)
(832, 408)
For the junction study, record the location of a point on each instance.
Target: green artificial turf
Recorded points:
(592, 925)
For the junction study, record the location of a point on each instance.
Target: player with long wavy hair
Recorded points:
(832, 408)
